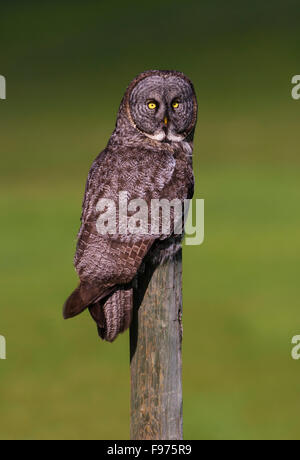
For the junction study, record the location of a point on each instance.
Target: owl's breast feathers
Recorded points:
(107, 263)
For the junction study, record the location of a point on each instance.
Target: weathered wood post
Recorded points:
(155, 350)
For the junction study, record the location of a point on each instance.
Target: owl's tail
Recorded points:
(73, 305)
(83, 296)
(114, 313)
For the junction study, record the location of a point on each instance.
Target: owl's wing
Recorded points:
(106, 262)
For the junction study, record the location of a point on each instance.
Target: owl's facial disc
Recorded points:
(163, 107)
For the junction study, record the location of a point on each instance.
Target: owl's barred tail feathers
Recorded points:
(112, 313)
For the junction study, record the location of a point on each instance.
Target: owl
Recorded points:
(148, 157)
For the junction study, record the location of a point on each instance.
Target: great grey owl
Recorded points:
(148, 156)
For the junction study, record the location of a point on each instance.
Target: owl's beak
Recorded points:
(166, 121)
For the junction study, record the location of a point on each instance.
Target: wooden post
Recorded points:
(155, 350)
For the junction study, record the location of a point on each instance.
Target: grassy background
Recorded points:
(67, 65)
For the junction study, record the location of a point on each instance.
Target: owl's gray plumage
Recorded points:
(149, 157)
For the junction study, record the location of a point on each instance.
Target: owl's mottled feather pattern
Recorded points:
(114, 314)
(145, 168)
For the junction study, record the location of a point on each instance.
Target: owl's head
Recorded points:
(162, 105)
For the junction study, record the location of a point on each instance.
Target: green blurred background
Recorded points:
(67, 65)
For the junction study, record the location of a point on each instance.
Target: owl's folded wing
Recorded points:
(105, 261)
(102, 268)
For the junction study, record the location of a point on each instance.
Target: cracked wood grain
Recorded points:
(155, 348)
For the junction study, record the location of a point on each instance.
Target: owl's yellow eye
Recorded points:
(152, 105)
(175, 104)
